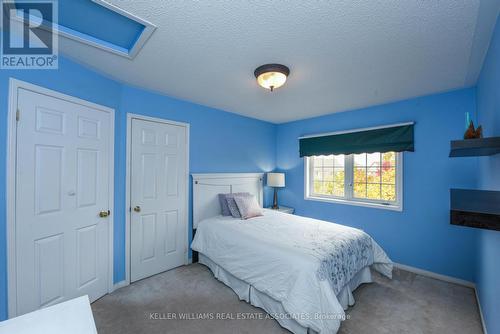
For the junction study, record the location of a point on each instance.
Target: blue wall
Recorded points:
(220, 141)
(421, 235)
(488, 107)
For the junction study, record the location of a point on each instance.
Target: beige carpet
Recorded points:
(407, 304)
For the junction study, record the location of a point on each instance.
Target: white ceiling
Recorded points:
(343, 55)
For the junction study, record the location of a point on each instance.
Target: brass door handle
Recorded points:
(137, 208)
(104, 214)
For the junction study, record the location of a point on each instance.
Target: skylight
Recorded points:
(103, 25)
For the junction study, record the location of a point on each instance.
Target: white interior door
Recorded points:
(158, 197)
(62, 184)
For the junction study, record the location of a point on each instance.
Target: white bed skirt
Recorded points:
(253, 296)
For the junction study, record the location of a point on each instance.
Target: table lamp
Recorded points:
(275, 180)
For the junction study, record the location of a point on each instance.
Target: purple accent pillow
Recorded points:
(231, 204)
(233, 208)
(223, 205)
(248, 206)
(224, 202)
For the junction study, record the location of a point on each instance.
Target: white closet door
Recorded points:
(62, 181)
(158, 198)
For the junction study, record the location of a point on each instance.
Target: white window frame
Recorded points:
(348, 198)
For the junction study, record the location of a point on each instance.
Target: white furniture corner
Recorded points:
(73, 316)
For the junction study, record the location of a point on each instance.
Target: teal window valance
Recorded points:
(393, 138)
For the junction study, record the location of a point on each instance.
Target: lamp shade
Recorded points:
(276, 179)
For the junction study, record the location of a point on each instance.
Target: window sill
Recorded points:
(391, 207)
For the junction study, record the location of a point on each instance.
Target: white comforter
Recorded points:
(282, 255)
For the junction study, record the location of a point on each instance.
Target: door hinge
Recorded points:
(18, 113)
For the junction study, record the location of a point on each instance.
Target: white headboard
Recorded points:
(206, 187)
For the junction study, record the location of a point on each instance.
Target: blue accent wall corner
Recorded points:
(488, 105)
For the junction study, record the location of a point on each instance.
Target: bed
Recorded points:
(301, 271)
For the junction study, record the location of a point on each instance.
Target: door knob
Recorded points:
(104, 214)
(137, 208)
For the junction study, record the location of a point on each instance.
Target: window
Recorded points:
(367, 179)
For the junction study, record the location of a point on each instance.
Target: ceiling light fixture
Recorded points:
(271, 76)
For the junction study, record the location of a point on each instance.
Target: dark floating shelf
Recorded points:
(475, 147)
(475, 208)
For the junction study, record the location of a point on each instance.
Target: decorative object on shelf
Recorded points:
(275, 180)
(271, 76)
(470, 131)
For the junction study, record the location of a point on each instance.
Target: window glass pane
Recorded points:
(318, 161)
(318, 174)
(339, 181)
(318, 187)
(373, 191)
(373, 160)
(327, 174)
(360, 174)
(388, 192)
(339, 175)
(338, 189)
(339, 160)
(328, 188)
(389, 159)
(360, 160)
(359, 190)
(328, 161)
(389, 175)
(373, 175)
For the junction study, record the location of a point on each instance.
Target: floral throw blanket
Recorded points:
(341, 253)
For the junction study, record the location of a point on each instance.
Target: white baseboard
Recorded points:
(447, 279)
(120, 285)
(481, 312)
(435, 275)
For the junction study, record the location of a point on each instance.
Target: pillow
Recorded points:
(231, 204)
(248, 206)
(233, 208)
(224, 203)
